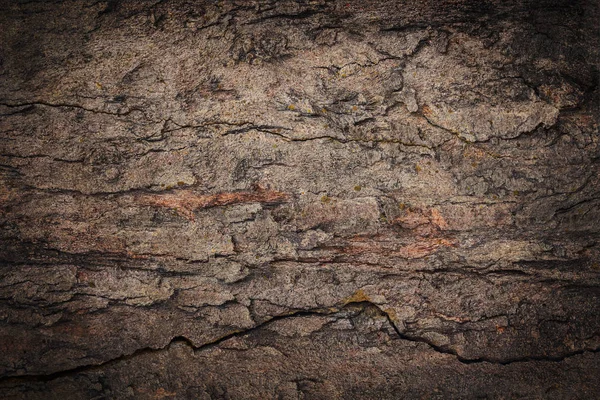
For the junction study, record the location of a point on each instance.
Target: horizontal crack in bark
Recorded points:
(362, 304)
(65, 105)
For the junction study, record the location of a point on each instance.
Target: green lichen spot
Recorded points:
(325, 199)
(357, 188)
(291, 107)
(180, 183)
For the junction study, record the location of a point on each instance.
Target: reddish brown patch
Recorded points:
(426, 110)
(423, 248)
(186, 202)
(411, 218)
(429, 219)
(437, 219)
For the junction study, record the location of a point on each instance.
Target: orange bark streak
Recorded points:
(186, 202)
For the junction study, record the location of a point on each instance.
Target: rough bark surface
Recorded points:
(299, 199)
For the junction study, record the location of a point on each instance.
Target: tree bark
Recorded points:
(299, 199)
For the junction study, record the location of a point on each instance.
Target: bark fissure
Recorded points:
(326, 311)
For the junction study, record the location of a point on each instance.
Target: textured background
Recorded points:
(299, 199)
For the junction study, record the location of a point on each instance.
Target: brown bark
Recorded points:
(299, 199)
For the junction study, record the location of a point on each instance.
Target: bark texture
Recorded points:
(299, 199)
